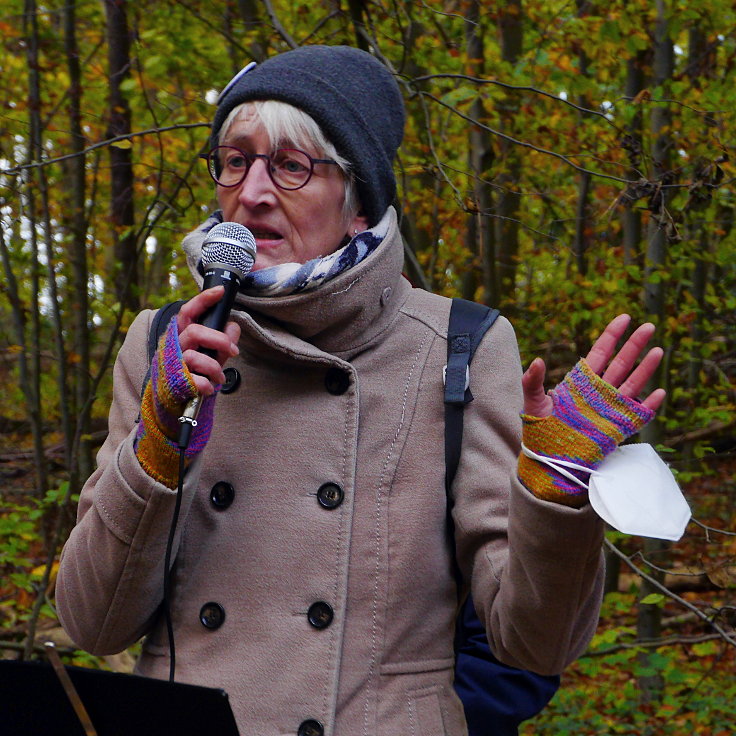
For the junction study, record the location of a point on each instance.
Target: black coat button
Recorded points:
(212, 615)
(330, 495)
(222, 495)
(232, 380)
(337, 381)
(311, 728)
(320, 615)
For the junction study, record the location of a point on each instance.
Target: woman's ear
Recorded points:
(358, 224)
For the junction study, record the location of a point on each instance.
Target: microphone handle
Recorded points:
(217, 315)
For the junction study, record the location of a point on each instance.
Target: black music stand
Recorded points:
(34, 703)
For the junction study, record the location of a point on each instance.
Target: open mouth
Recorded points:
(261, 234)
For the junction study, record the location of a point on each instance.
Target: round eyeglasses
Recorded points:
(289, 168)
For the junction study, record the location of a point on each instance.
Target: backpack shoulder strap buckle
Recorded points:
(467, 377)
(456, 374)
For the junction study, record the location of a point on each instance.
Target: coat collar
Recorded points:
(339, 317)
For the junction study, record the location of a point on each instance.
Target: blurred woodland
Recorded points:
(563, 161)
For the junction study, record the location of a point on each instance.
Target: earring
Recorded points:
(355, 231)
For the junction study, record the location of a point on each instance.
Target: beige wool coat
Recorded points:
(341, 386)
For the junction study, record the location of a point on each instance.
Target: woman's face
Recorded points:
(289, 226)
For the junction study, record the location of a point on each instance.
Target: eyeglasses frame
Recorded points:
(251, 158)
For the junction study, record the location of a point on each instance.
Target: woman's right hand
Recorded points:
(206, 372)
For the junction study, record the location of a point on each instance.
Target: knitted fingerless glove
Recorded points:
(589, 419)
(169, 389)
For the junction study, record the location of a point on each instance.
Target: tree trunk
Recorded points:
(125, 266)
(77, 226)
(256, 28)
(425, 239)
(35, 154)
(581, 239)
(631, 221)
(32, 383)
(699, 234)
(507, 210)
(357, 17)
(480, 230)
(649, 616)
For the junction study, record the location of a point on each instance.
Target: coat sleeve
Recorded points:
(110, 580)
(536, 567)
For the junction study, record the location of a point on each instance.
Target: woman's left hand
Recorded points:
(620, 370)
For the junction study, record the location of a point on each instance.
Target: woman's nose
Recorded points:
(257, 187)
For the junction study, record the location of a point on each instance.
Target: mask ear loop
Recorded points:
(559, 465)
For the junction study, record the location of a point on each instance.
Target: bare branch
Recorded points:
(438, 162)
(725, 635)
(14, 646)
(208, 24)
(448, 15)
(713, 529)
(667, 641)
(102, 144)
(703, 433)
(518, 88)
(323, 22)
(276, 23)
(525, 144)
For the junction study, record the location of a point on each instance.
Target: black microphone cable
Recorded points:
(167, 571)
(228, 254)
(188, 421)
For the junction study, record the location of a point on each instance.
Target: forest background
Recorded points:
(564, 160)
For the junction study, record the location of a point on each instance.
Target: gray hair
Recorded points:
(286, 124)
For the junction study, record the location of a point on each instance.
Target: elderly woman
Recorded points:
(312, 578)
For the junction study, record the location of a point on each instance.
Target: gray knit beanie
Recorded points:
(353, 98)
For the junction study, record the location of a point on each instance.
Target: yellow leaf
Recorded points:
(38, 572)
(122, 144)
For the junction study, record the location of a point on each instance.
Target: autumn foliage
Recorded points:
(563, 162)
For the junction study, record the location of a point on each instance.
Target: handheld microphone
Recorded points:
(228, 254)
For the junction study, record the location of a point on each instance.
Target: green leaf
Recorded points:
(460, 94)
(653, 599)
(705, 648)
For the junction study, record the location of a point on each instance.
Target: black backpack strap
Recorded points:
(468, 323)
(158, 326)
(495, 697)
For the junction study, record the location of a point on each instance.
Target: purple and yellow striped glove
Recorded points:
(589, 419)
(166, 394)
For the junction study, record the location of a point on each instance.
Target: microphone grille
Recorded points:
(230, 244)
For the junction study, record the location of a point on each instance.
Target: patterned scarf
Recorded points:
(293, 278)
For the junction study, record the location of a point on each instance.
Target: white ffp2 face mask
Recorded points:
(632, 490)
